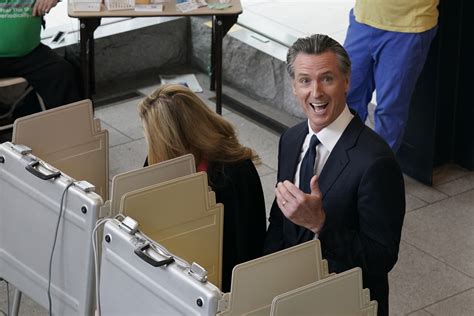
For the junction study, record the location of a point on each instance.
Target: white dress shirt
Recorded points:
(328, 136)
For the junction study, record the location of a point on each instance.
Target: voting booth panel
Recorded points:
(138, 277)
(182, 215)
(147, 176)
(70, 139)
(340, 294)
(31, 192)
(255, 283)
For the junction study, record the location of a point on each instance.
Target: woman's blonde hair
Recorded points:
(177, 122)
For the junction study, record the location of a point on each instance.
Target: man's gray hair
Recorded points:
(315, 45)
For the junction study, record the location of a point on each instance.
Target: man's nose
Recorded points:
(316, 90)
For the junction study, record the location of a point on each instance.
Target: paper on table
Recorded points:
(149, 7)
(188, 80)
(186, 6)
(219, 6)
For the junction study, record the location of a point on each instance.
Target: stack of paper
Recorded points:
(86, 5)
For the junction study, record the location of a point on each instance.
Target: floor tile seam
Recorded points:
(437, 201)
(451, 180)
(262, 163)
(444, 299)
(419, 309)
(268, 173)
(118, 131)
(459, 193)
(434, 189)
(428, 203)
(136, 139)
(416, 208)
(438, 259)
(131, 141)
(465, 175)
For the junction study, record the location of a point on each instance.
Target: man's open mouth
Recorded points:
(318, 107)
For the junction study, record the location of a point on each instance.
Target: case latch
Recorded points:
(198, 272)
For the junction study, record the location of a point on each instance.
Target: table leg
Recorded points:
(16, 303)
(88, 26)
(218, 64)
(220, 28)
(213, 55)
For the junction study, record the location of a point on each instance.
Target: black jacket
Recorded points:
(238, 187)
(364, 200)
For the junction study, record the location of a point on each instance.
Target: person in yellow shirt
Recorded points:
(388, 42)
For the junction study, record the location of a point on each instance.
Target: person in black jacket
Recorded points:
(338, 180)
(177, 122)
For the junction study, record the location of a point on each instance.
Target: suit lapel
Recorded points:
(295, 143)
(337, 161)
(292, 148)
(339, 158)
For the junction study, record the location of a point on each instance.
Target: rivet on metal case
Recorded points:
(199, 302)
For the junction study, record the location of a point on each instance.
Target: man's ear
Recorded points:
(347, 84)
(293, 86)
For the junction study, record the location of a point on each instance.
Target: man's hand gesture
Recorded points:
(302, 209)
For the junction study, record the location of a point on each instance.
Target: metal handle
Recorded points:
(31, 168)
(140, 251)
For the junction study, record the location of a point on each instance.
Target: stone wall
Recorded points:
(124, 54)
(246, 69)
(138, 50)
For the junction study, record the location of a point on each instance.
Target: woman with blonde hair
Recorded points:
(177, 122)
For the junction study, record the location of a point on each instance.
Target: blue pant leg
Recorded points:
(400, 57)
(358, 46)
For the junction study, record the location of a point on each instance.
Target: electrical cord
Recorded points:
(99, 223)
(61, 207)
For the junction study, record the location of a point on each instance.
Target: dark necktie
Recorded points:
(307, 166)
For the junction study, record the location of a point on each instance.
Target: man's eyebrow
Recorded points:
(302, 74)
(329, 72)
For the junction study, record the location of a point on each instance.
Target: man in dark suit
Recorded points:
(352, 198)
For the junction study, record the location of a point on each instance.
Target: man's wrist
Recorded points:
(317, 229)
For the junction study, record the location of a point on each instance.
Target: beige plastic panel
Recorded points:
(255, 283)
(147, 176)
(340, 294)
(183, 216)
(69, 139)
